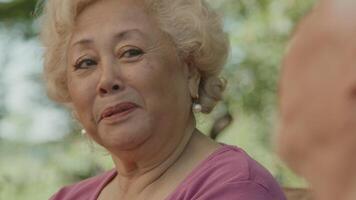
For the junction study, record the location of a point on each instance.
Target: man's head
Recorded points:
(318, 98)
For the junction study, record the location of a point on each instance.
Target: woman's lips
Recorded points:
(117, 112)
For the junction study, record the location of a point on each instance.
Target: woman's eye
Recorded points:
(131, 53)
(85, 64)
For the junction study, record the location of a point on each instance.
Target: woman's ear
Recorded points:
(193, 76)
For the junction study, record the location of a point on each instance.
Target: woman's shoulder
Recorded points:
(230, 171)
(235, 163)
(87, 189)
(231, 163)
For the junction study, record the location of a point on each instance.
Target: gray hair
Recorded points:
(195, 28)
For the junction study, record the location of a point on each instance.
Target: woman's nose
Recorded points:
(110, 80)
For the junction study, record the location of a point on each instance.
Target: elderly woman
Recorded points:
(133, 72)
(317, 100)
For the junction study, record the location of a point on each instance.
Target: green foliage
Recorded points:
(19, 14)
(30, 171)
(17, 11)
(259, 31)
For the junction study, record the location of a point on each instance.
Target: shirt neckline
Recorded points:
(113, 173)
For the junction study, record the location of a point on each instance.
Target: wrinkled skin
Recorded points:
(317, 132)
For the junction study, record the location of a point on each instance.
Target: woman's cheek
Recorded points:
(82, 92)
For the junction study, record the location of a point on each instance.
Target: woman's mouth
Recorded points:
(117, 113)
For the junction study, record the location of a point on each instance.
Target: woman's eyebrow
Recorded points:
(120, 36)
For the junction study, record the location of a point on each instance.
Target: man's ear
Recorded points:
(193, 77)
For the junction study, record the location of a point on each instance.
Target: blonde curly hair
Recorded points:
(193, 26)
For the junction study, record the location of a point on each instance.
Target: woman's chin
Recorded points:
(123, 139)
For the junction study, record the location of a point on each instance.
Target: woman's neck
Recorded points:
(141, 169)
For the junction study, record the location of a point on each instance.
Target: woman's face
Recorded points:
(126, 81)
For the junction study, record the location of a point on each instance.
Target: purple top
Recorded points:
(228, 173)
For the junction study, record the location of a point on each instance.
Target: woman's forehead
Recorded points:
(119, 21)
(111, 10)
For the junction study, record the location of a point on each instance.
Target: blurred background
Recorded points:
(41, 148)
